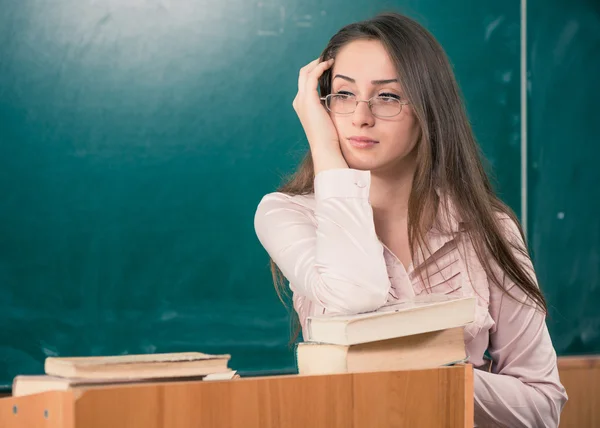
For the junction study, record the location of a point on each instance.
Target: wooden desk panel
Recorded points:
(581, 378)
(440, 397)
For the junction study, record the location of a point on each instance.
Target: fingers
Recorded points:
(311, 73)
(312, 79)
(311, 65)
(304, 71)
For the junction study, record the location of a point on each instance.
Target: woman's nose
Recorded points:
(363, 116)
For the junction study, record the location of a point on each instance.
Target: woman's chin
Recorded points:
(360, 161)
(362, 165)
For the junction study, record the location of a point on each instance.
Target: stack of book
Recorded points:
(62, 373)
(422, 333)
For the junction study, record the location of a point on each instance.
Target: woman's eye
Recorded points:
(344, 93)
(389, 95)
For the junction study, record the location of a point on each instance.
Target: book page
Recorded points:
(398, 306)
(416, 302)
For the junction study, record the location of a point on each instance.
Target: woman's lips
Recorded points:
(362, 142)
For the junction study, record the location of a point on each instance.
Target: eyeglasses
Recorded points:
(379, 106)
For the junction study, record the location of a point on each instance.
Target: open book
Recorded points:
(424, 314)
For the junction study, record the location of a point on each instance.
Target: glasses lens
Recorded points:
(385, 106)
(341, 103)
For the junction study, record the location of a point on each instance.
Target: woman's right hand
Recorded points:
(318, 126)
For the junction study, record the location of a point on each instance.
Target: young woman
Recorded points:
(392, 202)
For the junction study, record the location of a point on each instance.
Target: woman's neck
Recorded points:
(390, 192)
(389, 197)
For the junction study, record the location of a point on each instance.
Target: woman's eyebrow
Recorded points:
(384, 82)
(374, 82)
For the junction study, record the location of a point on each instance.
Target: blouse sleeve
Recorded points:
(335, 259)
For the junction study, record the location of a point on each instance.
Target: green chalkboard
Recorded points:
(136, 140)
(564, 151)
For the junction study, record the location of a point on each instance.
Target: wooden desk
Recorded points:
(581, 378)
(441, 397)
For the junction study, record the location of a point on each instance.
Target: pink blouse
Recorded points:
(326, 246)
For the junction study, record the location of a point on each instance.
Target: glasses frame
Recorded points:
(369, 103)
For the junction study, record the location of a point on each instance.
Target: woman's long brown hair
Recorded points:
(448, 156)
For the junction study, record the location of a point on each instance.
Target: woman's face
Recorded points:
(363, 68)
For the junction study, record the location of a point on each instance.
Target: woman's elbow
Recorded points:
(558, 399)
